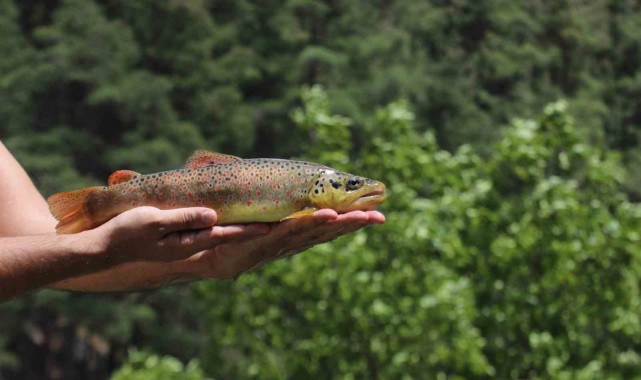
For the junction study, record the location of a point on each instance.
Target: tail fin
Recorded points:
(71, 211)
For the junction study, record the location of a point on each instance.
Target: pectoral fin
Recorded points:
(202, 158)
(308, 211)
(121, 176)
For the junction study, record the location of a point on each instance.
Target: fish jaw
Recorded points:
(367, 198)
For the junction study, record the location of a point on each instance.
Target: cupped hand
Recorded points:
(230, 260)
(151, 234)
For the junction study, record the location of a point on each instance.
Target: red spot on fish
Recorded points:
(289, 193)
(217, 188)
(274, 186)
(276, 202)
(245, 186)
(258, 192)
(264, 208)
(249, 203)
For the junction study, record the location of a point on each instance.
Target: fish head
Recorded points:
(346, 192)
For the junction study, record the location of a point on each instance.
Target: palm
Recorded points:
(284, 239)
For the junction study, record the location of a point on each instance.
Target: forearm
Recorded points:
(31, 262)
(132, 276)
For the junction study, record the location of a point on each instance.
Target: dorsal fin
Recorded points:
(202, 158)
(121, 176)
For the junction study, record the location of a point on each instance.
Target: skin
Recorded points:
(144, 247)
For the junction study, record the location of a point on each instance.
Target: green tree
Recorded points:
(514, 217)
(521, 265)
(141, 365)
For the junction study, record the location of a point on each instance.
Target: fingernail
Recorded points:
(208, 217)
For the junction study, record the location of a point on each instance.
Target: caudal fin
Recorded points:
(71, 211)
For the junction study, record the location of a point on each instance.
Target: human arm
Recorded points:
(144, 234)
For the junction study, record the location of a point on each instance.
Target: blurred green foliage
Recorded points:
(142, 365)
(520, 265)
(511, 248)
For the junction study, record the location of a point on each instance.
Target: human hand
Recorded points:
(230, 260)
(151, 234)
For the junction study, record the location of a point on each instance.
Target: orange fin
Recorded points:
(300, 214)
(121, 176)
(69, 208)
(202, 158)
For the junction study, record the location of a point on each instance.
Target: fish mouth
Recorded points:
(376, 193)
(369, 198)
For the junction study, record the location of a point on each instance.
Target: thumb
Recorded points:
(192, 218)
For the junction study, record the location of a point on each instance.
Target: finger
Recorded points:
(193, 218)
(376, 217)
(301, 225)
(226, 234)
(325, 213)
(210, 237)
(357, 217)
(343, 225)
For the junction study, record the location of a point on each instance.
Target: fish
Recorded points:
(239, 190)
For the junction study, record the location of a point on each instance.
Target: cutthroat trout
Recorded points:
(239, 190)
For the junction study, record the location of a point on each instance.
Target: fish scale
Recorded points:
(239, 190)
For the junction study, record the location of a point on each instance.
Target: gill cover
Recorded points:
(345, 192)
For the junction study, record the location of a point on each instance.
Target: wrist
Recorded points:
(94, 245)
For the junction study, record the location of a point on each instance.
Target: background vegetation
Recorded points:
(512, 243)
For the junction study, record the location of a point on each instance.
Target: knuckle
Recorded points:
(149, 216)
(189, 218)
(170, 241)
(187, 238)
(219, 232)
(156, 224)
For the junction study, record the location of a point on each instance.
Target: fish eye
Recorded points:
(353, 184)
